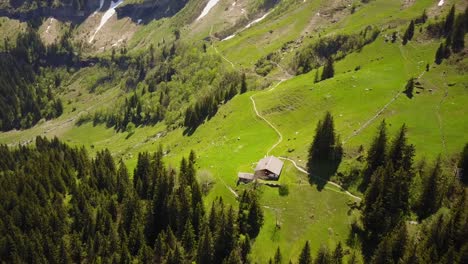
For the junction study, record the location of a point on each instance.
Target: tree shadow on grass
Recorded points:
(320, 172)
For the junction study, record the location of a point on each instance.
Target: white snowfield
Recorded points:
(207, 8)
(257, 20)
(107, 15)
(441, 3)
(248, 26)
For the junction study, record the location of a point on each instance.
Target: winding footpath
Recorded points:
(280, 139)
(280, 136)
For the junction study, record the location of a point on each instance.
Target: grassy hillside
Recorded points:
(367, 88)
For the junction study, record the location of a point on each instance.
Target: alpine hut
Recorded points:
(269, 168)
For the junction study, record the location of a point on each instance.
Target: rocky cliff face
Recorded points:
(151, 9)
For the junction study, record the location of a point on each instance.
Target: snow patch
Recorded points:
(248, 26)
(117, 43)
(207, 8)
(257, 20)
(441, 3)
(228, 37)
(101, 3)
(139, 21)
(107, 15)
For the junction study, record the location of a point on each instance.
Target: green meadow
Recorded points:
(366, 89)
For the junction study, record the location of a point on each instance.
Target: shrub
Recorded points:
(283, 190)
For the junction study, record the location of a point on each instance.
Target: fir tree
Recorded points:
(305, 257)
(401, 154)
(353, 259)
(449, 21)
(205, 247)
(255, 218)
(234, 257)
(409, 88)
(188, 238)
(376, 155)
(323, 256)
(243, 88)
(325, 152)
(440, 54)
(278, 258)
(328, 70)
(338, 254)
(430, 198)
(458, 36)
(409, 33)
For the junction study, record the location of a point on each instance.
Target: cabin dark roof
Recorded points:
(271, 164)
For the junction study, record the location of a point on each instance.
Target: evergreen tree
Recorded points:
(245, 247)
(325, 152)
(255, 218)
(429, 202)
(440, 54)
(409, 88)
(458, 36)
(463, 165)
(278, 258)
(376, 155)
(338, 254)
(234, 257)
(142, 175)
(409, 33)
(323, 256)
(205, 247)
(401, 154)
(322, 147)
(449, 21)
(188, 238)
(243, 88)
(353, 259)
(305, 257)
(122, 182)
(383, 254)
(328, 70)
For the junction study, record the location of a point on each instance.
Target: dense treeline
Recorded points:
(398, 193)
(396, 189)
(231, 84)
(26, 84)
(161, 81)
(61, 206)
(453, 28)
(314, 55)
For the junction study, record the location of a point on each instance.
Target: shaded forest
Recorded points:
(31, 73)
(61, 206)
(397, 190)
